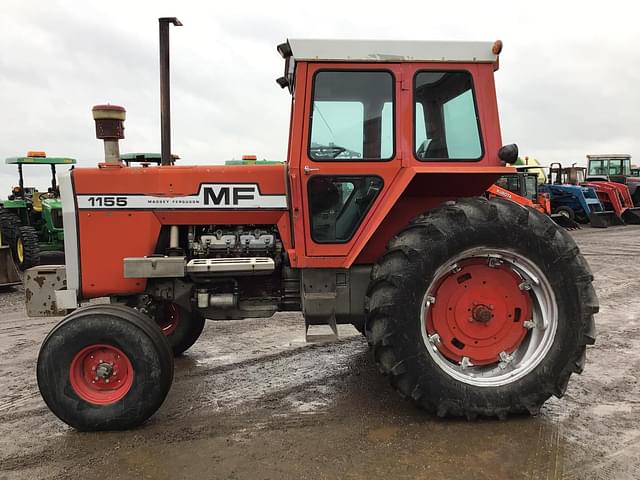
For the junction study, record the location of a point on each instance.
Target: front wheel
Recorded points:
(566, 212)
(481, 308)
(26, 247)
(104, 367)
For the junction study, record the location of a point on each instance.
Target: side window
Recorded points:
(338, 204)
(509, 182)
(352, 116)
(532, 187)
(446, 123)
(615, 167)
(595, 168)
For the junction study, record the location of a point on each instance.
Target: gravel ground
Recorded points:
(251, 400)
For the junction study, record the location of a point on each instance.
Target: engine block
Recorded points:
(216, 241)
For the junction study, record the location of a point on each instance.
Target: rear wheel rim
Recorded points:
(101, 374)
(466, 325)
(170, 319)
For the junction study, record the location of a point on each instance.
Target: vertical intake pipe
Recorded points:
(110, 128)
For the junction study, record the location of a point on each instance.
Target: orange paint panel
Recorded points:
(220, 217)
(106, 238)
(176, 180)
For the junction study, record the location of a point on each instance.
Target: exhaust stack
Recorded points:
(110, 128)
(165, 98)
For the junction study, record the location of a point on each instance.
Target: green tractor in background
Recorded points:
(30, 220)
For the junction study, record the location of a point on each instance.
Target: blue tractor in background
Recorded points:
(579, 203)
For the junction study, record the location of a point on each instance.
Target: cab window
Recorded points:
(446, 120)
(532, 187)
(338, 204)
(596, 167)
(352, 116)
(509, 182)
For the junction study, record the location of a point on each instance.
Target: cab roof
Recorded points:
(40, 161)
(610, 156)
(390, 51)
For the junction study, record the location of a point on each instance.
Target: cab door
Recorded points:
(349, 152)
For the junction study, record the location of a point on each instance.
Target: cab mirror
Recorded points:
(508, 153)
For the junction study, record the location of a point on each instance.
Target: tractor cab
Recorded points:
(610, 165)
(616, 168)
(524, 184)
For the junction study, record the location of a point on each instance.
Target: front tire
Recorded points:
(481, 308)
(567, 212)
(26, 247)
(104, 367)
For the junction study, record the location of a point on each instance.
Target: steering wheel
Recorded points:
(422, 149)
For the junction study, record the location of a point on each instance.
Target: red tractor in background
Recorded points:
(614, 196)
(471, 306)
(615, 167)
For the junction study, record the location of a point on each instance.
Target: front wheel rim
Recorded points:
(101, 374)
(519, 345)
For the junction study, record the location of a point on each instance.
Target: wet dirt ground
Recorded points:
(251, 400)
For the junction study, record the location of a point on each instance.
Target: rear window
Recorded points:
(446, 120)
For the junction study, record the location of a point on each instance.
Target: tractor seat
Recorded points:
(36, 201)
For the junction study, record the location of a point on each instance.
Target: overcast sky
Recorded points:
(568, 84)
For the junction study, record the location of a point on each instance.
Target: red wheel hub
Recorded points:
(170, 319)
(479, 311)
(101, 374)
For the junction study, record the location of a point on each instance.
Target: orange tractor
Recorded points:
(471, 306)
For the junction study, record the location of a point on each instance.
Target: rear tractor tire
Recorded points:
(180, 327)
(9, 225)
(104, 367)
(26, 247)
(481, 307)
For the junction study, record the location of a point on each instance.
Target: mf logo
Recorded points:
(228, 194)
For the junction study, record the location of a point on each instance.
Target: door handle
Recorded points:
(307, 169)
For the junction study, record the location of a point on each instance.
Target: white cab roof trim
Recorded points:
(607, 156)
(391, 51)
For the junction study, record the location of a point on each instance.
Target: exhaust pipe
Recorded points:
(165, 98)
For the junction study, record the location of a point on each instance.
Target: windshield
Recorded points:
(610, 166)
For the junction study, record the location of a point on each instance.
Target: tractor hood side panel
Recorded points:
(121, 210)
